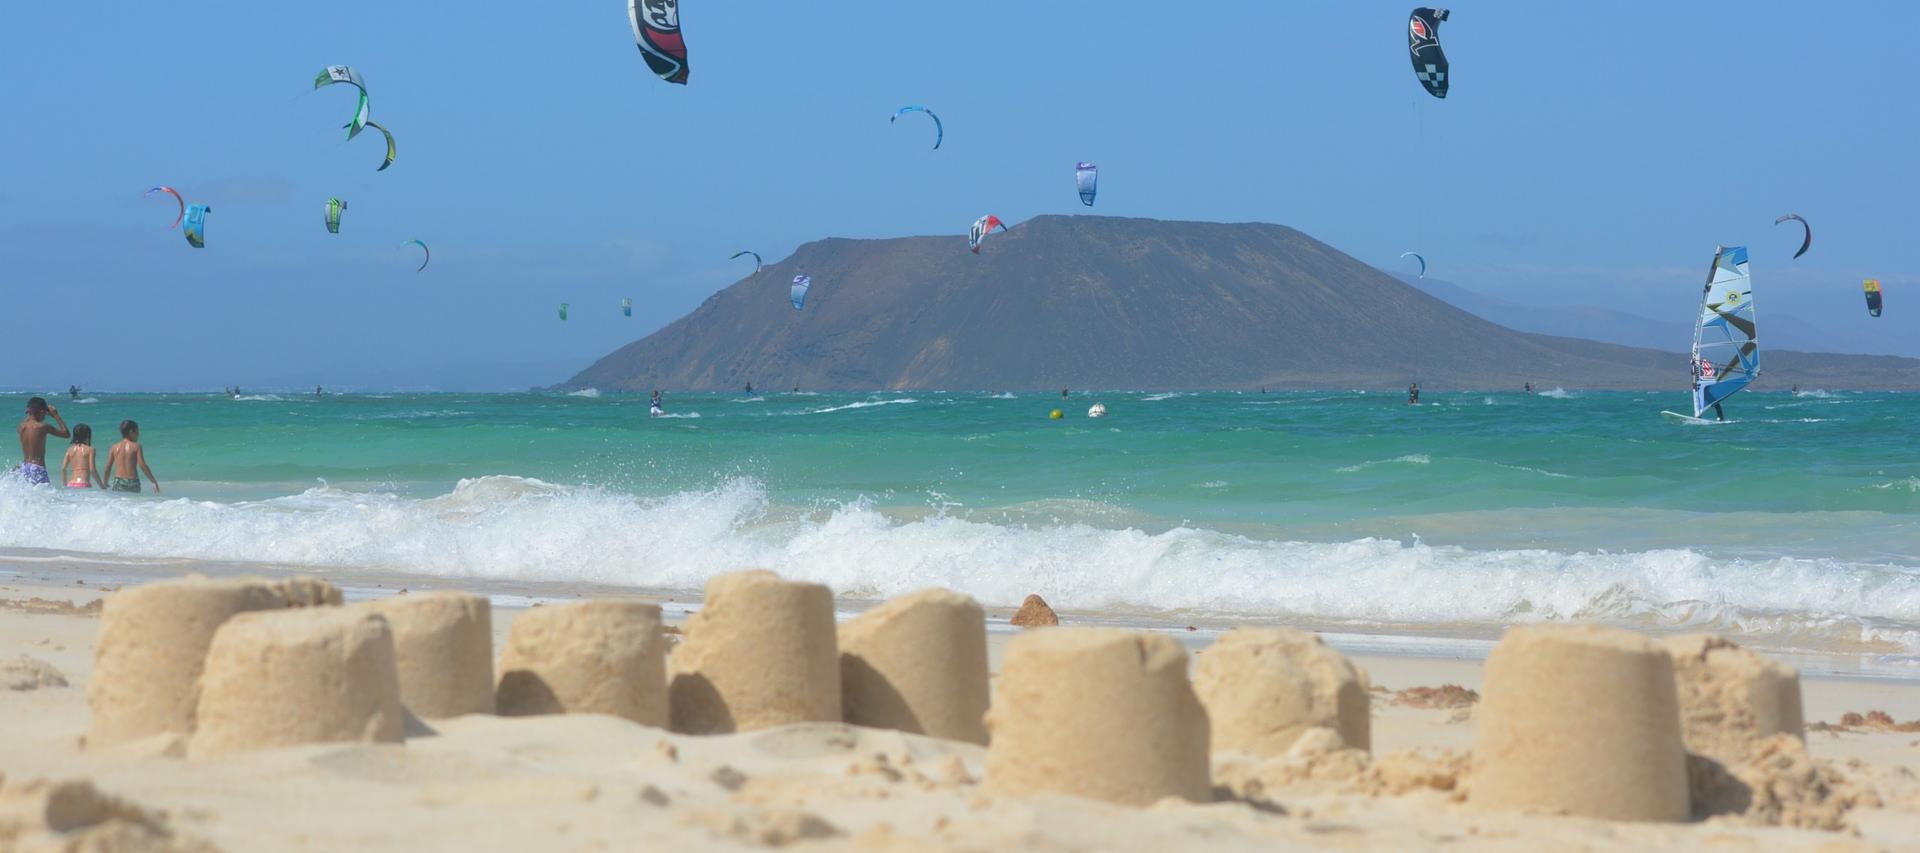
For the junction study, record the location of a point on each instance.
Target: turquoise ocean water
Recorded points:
(1796, 526)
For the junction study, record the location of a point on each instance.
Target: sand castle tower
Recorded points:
(1731, 698)
(1582, 720)
(1101, 713)
(1263, 688)
(917, 663)
(310, 675)
(153, 645)
(591, 657)
(761, 652)
(443, 644)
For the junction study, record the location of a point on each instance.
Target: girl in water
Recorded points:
(77, 469)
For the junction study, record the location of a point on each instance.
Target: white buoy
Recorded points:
(1098, 410)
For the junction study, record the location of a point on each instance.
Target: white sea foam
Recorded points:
(678, 415)
(1910, 484)
(512, 528)
(1409, 459)
(1004, 395)
(585, 392)
(1815, 393)
(261, 398)
(1559, 394)
(864, 404)
(1164, 396)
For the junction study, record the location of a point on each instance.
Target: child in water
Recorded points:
(77, 469)
(127, 460)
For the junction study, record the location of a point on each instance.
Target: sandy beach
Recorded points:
(583, 781)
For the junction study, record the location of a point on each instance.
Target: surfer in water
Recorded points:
(1413, 394)
(654, 409)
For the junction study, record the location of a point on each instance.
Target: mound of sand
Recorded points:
(73, 815)
(1732, 699)
(25, 672)
(1263, 688)
(1034, 613)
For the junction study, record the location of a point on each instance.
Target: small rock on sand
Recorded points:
(1034, 613)
(25, 672)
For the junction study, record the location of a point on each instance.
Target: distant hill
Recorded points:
(1100, 302)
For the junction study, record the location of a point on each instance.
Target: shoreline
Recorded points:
(86, 576)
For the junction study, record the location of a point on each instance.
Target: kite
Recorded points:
(981, 228)
(1086, 178)
(342, 74)
(939, 132)
(563, 310)
(423, 248)
(196, 229)
(1423, 44)
(1873, 297)
(176, 197)
(390, 149)
(1418, 257)
(334, 208)
(656, 31)
(1805, 244)
(626, 307)
(757, 264)
(798, 293)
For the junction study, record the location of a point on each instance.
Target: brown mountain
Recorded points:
(1101, 302)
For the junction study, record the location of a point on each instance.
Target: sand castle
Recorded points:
(592, 657)
(443, 645)
(761, 652)
(1731, 699)
(153, 644)
(1101, 713)
(310, 675)
(1263, 688)
(1581, 720)
(917, 663)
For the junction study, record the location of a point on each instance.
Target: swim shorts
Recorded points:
(124, 484)
(35, 473)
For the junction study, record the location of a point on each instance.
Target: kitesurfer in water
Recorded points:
(1413, 394)
(73, 392)
(319, 392)
(654, 408)
(1529, 387)
(1063, 393)
(749, 388)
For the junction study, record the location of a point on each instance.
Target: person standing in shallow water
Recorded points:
(33, 432)
(127, 460)
(77, 470)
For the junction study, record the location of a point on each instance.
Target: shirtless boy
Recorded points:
(127, 460)
(33, 439)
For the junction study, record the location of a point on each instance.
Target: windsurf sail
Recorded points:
(1726, 351)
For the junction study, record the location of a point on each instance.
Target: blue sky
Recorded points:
(1588, 154)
